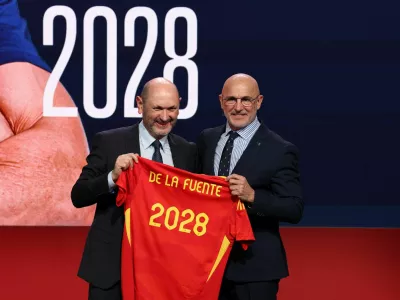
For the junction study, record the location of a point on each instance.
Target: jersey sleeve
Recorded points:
(123, 187)
(243, 230)
(126, 183)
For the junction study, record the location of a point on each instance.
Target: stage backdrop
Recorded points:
(329, 72)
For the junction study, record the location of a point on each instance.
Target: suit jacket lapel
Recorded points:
(177, 157)
(132, 142)
(210, 151)
(252, 150)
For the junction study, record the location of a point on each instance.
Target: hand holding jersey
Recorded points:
(240, 187)
(116, 151)
(122, 163)
(268, 182)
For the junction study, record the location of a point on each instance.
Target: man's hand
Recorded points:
(122, 163)
(241, 188)
(40, 157)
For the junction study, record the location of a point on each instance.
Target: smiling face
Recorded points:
(159, 104)
(240, 100)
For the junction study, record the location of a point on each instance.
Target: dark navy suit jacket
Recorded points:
(270, 165)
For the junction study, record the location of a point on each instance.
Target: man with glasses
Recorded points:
(262, 170)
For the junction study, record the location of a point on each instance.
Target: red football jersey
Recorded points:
(179, 231)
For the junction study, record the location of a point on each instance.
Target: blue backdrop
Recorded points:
(329, 72)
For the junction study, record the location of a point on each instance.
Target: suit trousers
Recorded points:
(112, 293)
(263, 290)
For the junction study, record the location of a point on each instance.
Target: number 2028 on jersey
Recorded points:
(179, 230)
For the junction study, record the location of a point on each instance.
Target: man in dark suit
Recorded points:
(262, 169)
(112, 152)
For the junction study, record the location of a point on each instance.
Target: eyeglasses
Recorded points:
(246, 101)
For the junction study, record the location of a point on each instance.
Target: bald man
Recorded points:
(112, 152)
(262, 170)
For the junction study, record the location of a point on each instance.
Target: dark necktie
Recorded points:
(157, 154)
(225, 162)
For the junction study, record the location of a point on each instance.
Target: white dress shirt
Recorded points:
(239, 144)
(147, 150)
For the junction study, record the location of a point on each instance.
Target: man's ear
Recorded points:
(139, 102)
(259, 101)
(221, 101)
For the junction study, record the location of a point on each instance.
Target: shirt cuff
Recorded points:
(111, 183)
